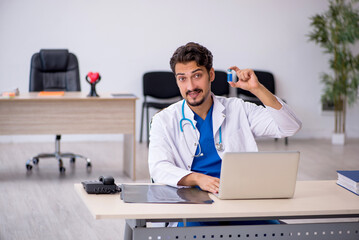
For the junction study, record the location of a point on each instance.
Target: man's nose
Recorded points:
(190, 85)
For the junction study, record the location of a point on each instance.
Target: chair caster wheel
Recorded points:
(35, 161)
(72, 160)
(62, 169)
(28, 167)
(88, 167)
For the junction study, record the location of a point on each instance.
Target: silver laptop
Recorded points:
(254, 175)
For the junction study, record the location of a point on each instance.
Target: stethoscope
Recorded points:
(219, 145)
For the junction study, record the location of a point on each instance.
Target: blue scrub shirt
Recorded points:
(210, 163)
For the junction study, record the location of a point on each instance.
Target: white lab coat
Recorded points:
(171, 151)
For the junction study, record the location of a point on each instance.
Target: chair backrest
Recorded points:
(265, 78)
(220, 85)
(54, 70)
(160, 85)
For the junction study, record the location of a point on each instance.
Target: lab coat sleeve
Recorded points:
(165, 164)
(270, 122)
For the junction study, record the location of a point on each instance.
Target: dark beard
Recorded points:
(195, 104)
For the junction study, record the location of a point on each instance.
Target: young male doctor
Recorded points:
(189, 138)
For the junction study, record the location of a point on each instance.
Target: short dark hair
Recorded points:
(192, 52)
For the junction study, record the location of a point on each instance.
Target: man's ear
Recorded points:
(211, 75)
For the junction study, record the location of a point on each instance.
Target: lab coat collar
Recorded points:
(191, 137)
(188, 113)
(218, 114)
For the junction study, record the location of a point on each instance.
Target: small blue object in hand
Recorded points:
(229, 75)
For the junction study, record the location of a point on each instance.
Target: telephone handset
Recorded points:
(104, 185)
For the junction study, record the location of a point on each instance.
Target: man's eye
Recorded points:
(181, 79)
(197, 75)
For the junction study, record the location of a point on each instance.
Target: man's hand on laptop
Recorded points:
(205, 182)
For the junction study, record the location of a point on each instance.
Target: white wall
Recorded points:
(124, 39)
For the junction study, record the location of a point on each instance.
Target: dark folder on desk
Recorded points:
(149, 193)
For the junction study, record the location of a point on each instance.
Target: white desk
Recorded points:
(73, 113)
(312, 199)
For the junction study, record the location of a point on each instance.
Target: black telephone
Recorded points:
(104, 185)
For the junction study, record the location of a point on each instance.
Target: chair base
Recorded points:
(58, 155)
(36, 159)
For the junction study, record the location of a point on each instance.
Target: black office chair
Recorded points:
(220, 86)
(55, 70)
(163, 90)
(265, 78)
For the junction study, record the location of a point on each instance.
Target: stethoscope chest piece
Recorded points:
(219, 147)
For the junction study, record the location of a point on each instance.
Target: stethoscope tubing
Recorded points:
(219, 145)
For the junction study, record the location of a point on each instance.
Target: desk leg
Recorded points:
(130, 225)
(129, 156)
(128, 232)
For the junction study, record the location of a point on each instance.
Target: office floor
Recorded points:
(44, 205)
